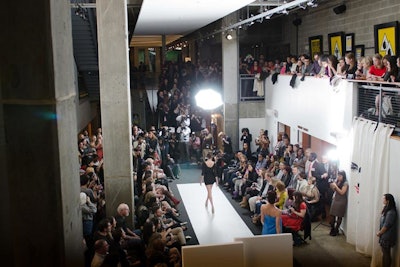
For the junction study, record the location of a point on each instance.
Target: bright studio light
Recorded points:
(208, 99)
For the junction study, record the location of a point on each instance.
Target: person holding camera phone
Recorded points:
(339, 202)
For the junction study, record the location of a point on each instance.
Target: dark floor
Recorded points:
(322, 250)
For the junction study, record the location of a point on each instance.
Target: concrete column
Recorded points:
(163, 48)
(230, 83)
(39, 186)
(115, 102)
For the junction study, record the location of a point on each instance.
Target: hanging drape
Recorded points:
(369, 181)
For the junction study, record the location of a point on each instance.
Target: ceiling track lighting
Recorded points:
(229, 37)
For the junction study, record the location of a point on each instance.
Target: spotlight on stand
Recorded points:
(208, 99)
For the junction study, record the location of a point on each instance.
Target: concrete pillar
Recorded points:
(112, 29)
(230, 84)
(39, 186)
(163, 48)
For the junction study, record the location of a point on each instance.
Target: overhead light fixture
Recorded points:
(285, 12)
(310, 3)
(229, 37)
(268, 17)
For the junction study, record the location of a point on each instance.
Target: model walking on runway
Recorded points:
(209, 177)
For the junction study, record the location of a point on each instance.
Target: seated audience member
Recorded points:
(248, 185)
(173, 169)
(281, 195)
(302, 183)
(311, 197)
(267, 185)
(292, 222)
(287, 175)
(101, 250)
(246, 150)
(377, 70)
(271, 216)
(170, 226)
(132, 236)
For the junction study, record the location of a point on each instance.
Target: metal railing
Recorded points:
(248, 91)
(380, 102)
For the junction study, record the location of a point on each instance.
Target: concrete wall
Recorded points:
(312, 106)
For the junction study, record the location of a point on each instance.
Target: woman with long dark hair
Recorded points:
(387, 228)
(339, 202)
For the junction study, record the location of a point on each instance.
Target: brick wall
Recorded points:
(359, 18)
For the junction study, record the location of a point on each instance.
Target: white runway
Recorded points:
(222, 226)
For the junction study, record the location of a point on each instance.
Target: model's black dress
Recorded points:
(209, 173)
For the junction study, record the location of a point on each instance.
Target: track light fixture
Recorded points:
(229, 37)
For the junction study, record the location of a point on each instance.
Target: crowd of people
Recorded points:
(159, 233)
(365, 68)
(280, 187)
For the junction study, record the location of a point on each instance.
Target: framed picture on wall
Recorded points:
(349, 41)
(335, 41)
(315, 43)
(386, 38)
(359, 51)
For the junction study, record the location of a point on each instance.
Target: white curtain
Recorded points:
(368, 182)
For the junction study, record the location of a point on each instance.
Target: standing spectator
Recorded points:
(184, 145)
(88, 210)
(207, 142)
(246, 137)
(271, 216)
(227, 145)
(195, 147)
(339, 202)
(387, 228)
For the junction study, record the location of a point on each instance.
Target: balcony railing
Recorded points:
(250, 88)
(380, 102)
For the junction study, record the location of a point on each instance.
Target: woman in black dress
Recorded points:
(209, 177)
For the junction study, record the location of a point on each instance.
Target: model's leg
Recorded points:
(209, 196)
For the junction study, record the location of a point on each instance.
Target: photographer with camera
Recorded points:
(227, 147)
(246, 137)
(207, 140)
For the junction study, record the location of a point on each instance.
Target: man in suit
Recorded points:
(316, 169)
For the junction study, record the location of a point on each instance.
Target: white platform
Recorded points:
(221, 227)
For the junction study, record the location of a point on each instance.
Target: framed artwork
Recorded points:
(359, 51)
(349, 41)
(386, 38)
(315, 43)
(335, 41)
